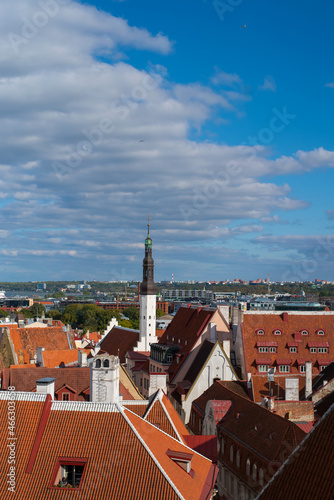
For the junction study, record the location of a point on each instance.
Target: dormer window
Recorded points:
(320, 332)
(277, 332)
(260, 332)
(183, 460)
(304, 332)
(68, 473)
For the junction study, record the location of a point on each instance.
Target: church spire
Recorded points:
(147, 286)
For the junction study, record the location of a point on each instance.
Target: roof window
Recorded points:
(183, 460)
(68, 473)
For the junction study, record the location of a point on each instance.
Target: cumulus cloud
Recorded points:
(90, 144)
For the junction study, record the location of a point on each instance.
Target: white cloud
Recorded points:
(122, 139)
(268, 84)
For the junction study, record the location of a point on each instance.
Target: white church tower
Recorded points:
(147, 328)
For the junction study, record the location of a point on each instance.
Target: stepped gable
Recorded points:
(119, 341)
(308, 472)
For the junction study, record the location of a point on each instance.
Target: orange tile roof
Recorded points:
(161, 413)
(158, 443)
(26, 340)
(54, 359)
(291, 325)
(126, 457)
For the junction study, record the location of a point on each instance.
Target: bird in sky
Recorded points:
(141, 140)
(243, 26)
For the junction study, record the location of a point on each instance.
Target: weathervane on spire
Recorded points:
(148, 223)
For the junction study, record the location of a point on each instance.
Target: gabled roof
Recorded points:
(160, 412)
(184, 331)
(291, 325)
(25, 378)
(216, 392)
(259, 430)
(130, 460)
(308, 472)
(119, 341)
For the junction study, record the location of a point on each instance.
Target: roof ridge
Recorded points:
(149, 451)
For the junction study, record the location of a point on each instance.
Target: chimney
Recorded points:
(157, 381)
(46, 386)
(249, 380)
(227, 348)
(285, 317)
(104, 379)
(212, 329)
(291, 389)
(82, 358)
(39, 359)
(308, 381)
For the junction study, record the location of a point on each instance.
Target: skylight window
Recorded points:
(183, 460)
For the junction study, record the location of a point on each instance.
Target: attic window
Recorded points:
(260, 332)
(277, 332)
(320, 332)
(304, 332)
(183, 460)
(68, 473)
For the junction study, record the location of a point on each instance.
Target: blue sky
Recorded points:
(223, 133)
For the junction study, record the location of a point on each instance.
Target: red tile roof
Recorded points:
(308, 472)
(205, 445)
(260, 386)
(291, 325)
(126, 457)
(119, 341)
(188, 323)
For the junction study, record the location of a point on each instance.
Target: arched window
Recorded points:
(231, 453)
(254, 472)
(223, 445)
(261, 477)
(248, 467)
(106, 363)
(98, 363)
(169, 357)
(237, 458)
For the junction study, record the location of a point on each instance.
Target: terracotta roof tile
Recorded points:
(119, 341)
(60, 358)
(127, 461)
(291, 325)
(308, 473)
